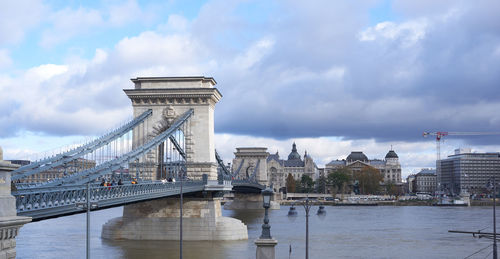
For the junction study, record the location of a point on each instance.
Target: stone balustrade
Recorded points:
(10, 223)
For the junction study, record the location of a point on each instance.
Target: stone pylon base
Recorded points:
(159, 220)
(249, 201)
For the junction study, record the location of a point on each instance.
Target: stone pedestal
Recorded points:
(9, 228)
(249, 201)
(9, 222)
(265, 248)
(159, 220)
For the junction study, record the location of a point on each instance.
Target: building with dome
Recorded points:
(356, 161)
(295, 165)
(258, 161)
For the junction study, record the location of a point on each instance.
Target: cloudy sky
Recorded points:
(333, 76)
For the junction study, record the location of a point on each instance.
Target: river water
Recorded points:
(345, 232)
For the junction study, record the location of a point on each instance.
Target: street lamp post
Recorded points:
(266, 228)
(494, 220)
(87, 205)
(492, 184)
(265, 243)
(307, 204)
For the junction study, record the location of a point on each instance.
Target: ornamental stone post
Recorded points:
(265, 248)
(266, 243)
(9, 221)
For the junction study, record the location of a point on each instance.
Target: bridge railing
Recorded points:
(49, 202)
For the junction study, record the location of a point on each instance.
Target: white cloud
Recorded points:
(100, 57)
(408, 33)
(153, 49)
(45, 72)
(254, 54)
(124, 13)
(5, 59)
(18, 17)
(305, 71)
(67, 23)
(175, 23)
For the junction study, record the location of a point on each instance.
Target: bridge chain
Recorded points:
(65, 157)
(107, 167)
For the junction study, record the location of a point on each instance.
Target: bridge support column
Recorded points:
(249, 201)
(159, 220)
(9, 221)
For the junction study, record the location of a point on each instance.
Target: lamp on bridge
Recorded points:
(265, 243)
(266, 228)
(292, 214)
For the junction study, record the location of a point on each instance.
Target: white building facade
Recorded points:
(390, 167)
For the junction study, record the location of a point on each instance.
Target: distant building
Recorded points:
(467, 172)
(20, 162)
(425, 181)
(390, 167)
(250, 161)
(59, 171)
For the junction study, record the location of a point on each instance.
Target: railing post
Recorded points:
(220, 178)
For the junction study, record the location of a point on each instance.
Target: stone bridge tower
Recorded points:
(158, 219)
(170, 97)
(249, 160)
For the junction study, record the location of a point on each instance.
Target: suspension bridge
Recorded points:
(145, 164)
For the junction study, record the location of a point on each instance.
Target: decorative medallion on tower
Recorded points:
(250, 169)
(167, 119)
(169, 115)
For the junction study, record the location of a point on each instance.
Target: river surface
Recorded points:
(345, 232)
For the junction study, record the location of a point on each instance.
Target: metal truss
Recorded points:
(239, 168)
(252, 179)
(42, 203)
(108, 167)
(65, 157)
(222, 166)
(254, 174)
(178, 147)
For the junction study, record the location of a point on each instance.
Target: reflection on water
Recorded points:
(170, 249)
(345, 232)
(249, 217)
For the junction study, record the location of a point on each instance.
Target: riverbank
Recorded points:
(477, 203)
(432, 202)
(363, 203)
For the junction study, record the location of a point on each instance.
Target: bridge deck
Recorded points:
(43, 203)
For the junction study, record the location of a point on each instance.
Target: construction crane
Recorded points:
(441, 134)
